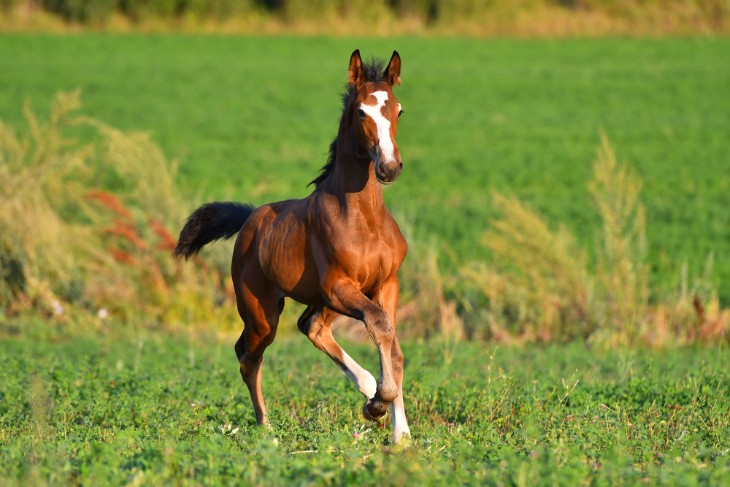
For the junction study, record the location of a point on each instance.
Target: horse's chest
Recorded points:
(369, 259)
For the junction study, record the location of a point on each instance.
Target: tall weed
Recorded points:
(622, 275)
(537, 285)
(426, 309)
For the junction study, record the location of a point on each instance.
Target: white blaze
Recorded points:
(382, 123)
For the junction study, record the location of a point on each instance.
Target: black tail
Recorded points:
(210, 222)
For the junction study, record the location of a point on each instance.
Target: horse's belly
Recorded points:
(299, 281)
(285, 260)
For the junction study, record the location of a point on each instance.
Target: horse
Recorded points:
(337, 251)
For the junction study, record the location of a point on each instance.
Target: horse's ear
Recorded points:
(392, 72)
(356, 72)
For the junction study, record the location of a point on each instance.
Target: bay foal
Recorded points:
(337, 251)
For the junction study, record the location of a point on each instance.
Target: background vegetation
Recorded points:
(636, 242)
(382, 17)
(81, 250)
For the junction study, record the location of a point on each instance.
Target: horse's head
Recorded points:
(374, 112)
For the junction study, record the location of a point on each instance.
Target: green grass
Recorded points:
(157, 409)
(251, 118)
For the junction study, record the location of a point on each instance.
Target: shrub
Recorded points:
(217, 9)
(70, 242)
(8, 5)
(82, 11)
(39, 182)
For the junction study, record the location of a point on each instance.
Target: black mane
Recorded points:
(374, 73)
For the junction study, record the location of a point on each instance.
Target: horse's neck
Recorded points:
(354, 183)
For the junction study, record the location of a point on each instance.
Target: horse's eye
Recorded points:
(401, 113)
(361, 113)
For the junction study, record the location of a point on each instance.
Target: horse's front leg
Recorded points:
(387, 298)
(346, 298)
(316, 324)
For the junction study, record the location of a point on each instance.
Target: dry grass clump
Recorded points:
(622, 275)
(85, 227)
(541, 287)
(40, 182)
(692, 315)
(537, 285)
(425, 309)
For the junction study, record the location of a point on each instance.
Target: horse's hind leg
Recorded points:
(316, 324)
(259, 308)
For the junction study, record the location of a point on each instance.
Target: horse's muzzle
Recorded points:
(388, 172)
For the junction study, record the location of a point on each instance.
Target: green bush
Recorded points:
(217, 9)
(7, 5)
(308, 9)
(82, 11)
(138, 10)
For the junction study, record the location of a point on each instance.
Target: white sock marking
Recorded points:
(363, 379)
(382, 123)
(400, 423)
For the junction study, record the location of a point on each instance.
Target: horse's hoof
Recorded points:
(374, 409)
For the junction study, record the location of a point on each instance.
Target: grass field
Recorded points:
(157, 409)
(250, 118)
(91, 400)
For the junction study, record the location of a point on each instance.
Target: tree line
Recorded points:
(428, 12)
